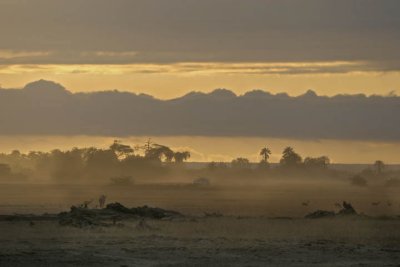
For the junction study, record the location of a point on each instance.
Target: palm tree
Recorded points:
(265, 153)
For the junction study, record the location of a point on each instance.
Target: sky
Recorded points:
(168, 48)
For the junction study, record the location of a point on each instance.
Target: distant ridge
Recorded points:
(45, 107)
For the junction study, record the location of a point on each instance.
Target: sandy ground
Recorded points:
(272, 199)
(223, 241)
(245, 236)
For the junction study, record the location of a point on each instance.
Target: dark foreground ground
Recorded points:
(205, 241)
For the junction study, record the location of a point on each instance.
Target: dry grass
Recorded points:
(224, 241)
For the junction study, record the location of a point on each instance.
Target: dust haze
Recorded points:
(216, 210)
(199, 133)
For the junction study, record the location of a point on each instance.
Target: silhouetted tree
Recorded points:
(157, 152)
(265, 153)
(317, 163)
(290, 158)
(179, 157)
(65, 164)
(101, 162)
(120, 149)
(241, 163)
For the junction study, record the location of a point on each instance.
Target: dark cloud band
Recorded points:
(161, 32)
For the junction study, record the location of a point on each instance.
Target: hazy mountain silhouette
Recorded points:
(45, 107)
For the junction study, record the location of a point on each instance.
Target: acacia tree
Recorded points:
(158, 152)
(121, 150)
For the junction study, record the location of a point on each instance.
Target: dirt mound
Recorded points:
(347, 209)
(320, 214)
(154, 213)
(143, 212)
(118, 207)
(81, 217)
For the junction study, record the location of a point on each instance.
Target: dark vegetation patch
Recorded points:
(113, 212)
(347, 210)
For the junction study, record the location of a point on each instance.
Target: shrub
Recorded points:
(122, 180)
(358, 180)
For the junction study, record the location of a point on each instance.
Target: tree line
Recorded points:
(289, 160)
(150, 160)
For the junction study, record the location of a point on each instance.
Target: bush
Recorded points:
(122, 180)
(358, 180)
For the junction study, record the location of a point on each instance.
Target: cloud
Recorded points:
(182, 31)
(12, 54)
(199, 68)
(52, 110)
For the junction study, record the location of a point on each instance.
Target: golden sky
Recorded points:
(168, 48)
(173, 80)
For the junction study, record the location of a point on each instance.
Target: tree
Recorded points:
(317, 163)
(265, 153)
(290, 158)
(157, 152)
(101, 162)
(241, 163)
(121, 150)
(179, 157)
(379, 166)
